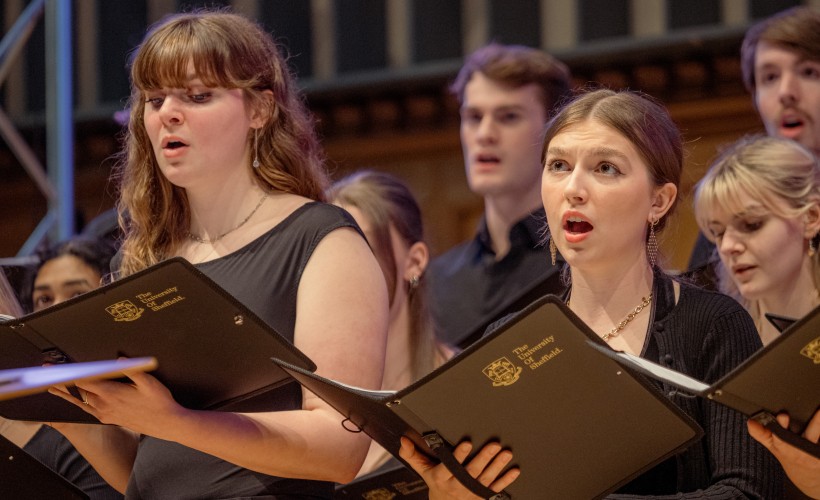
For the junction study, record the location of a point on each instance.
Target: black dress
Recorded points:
(264, 275)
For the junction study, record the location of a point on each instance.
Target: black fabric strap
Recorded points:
(445, 455)
(768, 421)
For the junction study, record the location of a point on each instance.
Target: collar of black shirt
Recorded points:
(528, 232)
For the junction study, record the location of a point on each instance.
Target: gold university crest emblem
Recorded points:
(125, 311)
(502, 372)
(812, 351)
(379, 494)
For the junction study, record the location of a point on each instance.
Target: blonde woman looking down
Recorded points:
(760, 204)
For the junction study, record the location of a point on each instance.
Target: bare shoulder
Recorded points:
(281, 206)
(341, 318)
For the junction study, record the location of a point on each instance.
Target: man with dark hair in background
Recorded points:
(506, 94)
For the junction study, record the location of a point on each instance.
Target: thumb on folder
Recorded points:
(802, 468)
(486, 466)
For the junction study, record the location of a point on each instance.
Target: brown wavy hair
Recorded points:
(228, 51)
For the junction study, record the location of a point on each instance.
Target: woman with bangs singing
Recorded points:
(221, 166)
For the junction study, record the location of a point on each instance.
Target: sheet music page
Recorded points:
(376, 394)
(654, 370)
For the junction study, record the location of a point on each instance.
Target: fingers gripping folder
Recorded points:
(445, 455)
(768, 421)
(536, 367)
(171, 312)
(443, 452)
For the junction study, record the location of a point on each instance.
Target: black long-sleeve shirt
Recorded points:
(705, 335)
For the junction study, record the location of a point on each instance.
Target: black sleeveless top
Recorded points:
(264, 275)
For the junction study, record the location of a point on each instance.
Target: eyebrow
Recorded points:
(753, 210)
(606, 151)
(503, 107)
(598, 151)
(81, 281)
(801, 59)
(190, 78)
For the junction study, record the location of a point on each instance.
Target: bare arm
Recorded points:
(341, 325)
(109, 449)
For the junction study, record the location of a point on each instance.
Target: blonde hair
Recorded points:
(8, 300)
(227, 51)
(767, 169)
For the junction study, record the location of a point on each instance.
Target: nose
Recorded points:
(789, 88)
(730, 243)
(486, 132)
(575, 190)
(171, 111)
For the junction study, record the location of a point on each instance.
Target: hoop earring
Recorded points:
(553, 250)
(652, 244)
(255, 148)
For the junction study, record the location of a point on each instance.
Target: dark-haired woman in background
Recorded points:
(44, 443)
(68, 269)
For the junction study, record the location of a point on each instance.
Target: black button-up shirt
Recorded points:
(469, 289)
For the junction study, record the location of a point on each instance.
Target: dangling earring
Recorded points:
(652, 244)
(256, 148)
(414, 281)
(553, 250)
(813, 246)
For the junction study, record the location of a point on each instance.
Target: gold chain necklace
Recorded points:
(629, 317)
(200, 239)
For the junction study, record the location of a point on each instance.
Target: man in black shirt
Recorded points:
(506, 94)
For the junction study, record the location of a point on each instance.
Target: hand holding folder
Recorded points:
(802, 469)
(487, 464)
(24, 477)
(212, 352)
(535, 386)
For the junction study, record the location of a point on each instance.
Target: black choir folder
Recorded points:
(212, 352)
(578, 424)
(784, 376)
(25, 478)
(395, 483)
